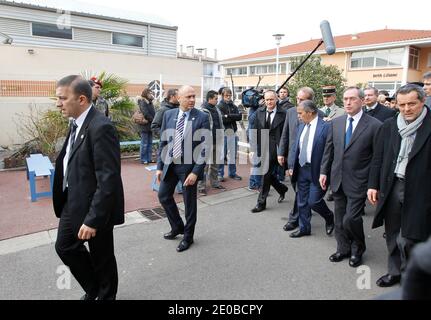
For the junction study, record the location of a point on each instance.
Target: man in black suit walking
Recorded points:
(400, 181)
(347, 156)
(374, 108)
(270, 119)
(88, 191)
(185, 143)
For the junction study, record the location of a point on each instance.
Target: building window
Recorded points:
(267, 69)
(51, 31)
(236, 71)
(377, 59)
(391, 87)
(414, 58)
(127, 39)
(208, 70)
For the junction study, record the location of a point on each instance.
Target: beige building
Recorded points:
(39, 45)
(385, 59)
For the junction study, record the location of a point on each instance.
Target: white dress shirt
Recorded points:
(79, 122)
(371, 108)
(313, 127)
(356, 119)
(274, 111)
(180, 115)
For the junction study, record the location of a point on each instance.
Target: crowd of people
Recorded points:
(361, 151)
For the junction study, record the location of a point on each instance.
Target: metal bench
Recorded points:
(135, 142)
(130, 143)
(39, 166)
(154, 184)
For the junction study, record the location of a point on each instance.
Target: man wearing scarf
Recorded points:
(400, 180)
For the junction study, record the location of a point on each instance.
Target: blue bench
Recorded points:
(130, 143)
(155, 185)
(39, 166)
(135, 142)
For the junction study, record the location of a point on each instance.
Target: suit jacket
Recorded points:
(95, 194)
(319, 142)
(381, 113)
(416, 211)
(197, 120)
(274, 132)
(289, 132)
(349, 167)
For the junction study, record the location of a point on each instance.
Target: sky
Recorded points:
(238, 27)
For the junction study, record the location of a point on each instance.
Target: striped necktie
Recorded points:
(177, 151)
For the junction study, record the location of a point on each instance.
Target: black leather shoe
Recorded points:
(388, 280)
(290, 226)
(88, 297)
(355, 261)
(337, 257)
(184, 245)
(258, 208)
(329, 227)
(282, 196)
(172, 234)
(299, 234)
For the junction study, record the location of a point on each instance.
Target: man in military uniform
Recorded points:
(99, 102)
(330, 109)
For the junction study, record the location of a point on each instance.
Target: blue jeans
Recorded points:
(146, 146)
(228, 141)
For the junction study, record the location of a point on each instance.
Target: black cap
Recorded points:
(389, 99)
(417, 83)
(328, 90)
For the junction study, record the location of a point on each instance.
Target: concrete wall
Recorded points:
(52, 64)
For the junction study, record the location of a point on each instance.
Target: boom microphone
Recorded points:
(327, 38)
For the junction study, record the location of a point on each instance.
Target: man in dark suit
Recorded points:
(88, 191)
(182, 157)
(348, 152)
(284, 102)
(286, 142)
(400, 180)
(305, 168)
(375, 109)
(270, 119)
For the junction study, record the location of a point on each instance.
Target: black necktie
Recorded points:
(73, 128)
(72, 135)
(268, 120)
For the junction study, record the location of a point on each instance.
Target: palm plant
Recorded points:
(121, 107)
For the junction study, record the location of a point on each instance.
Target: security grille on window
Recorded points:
(236, 71)
(51, 31)
(127, 40)
(267, 69)
(377, 59)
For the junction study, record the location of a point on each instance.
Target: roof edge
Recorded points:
(83, 14)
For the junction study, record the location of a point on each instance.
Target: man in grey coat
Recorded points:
(346, 160)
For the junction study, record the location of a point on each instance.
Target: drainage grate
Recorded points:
(155, 213)
(160, 211)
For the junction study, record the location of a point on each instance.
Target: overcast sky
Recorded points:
(238, 27)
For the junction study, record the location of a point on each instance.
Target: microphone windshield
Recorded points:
(325, 28)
